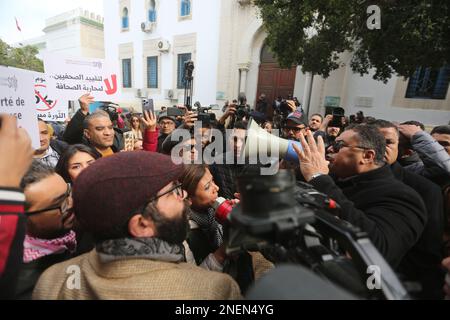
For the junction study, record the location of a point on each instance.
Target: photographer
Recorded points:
(95, 130)
(392, 214)
(167, 125)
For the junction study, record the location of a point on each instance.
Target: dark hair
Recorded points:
(62, 167)
(317, 114)
(380, 123)
(99, 113)
(416, 123)
(191, 176)
(444, 129)
(240, 125)
(370, 137)
(36, 173)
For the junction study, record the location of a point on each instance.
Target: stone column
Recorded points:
(243, 68)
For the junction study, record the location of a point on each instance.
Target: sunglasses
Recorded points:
(339, 144)
(63, 206)
(294, 129)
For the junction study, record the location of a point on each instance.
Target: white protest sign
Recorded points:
(48, 108)
(17, 98)
(70, 78)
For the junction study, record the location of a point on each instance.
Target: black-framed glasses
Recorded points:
(339, 144)
(64, 206)
(176, 190)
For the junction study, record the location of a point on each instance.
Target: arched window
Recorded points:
(185, 8)
(152, 11)
(125, 23)
(267, 55)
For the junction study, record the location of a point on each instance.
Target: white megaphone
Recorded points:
(259, 140)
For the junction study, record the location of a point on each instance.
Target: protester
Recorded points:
(76, 158)
(295, 126)
(151, 132)
(315, 121)
(423, 262)
(139, 236)
(17, 154)
(206, 236)
(135, 126)
(442, 136)
(392, 214)
(49, 238)
(95, 130)
(166, 125)
(268, 126)
(51, 149)
(433, 162)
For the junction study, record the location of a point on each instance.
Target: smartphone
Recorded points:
(147, 104)
(337, 113)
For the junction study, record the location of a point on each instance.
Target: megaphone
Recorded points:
(259, 140)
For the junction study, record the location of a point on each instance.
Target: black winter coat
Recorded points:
(392, 214)
(423, 262)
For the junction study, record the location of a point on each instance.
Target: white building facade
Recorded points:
(77, 33)
(149, 40)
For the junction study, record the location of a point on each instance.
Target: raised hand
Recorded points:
(85, 100)
(149, 120)
(312, 157)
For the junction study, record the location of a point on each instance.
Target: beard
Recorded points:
(173, 230)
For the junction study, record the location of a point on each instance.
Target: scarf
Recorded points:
(35, 248)
(209, 225)
(132, 248)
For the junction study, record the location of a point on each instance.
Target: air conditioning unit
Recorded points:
(168, 94)
(163, 45)
(141, 93)
(146, 26)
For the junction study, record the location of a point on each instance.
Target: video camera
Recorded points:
(203, 115)
(111, 109)
(289, 221)
(241, 108)
(337, 113)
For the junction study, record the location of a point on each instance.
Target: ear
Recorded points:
(368, 156)
(86, 133)
(141, 227)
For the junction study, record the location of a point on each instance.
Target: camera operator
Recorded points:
(392, 214)
(95, 130)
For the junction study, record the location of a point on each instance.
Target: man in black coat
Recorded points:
(392, 214)
(95, 130)
(423, 262)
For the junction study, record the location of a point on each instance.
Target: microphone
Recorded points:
(222, 209)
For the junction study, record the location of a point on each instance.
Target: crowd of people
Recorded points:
(138, 225)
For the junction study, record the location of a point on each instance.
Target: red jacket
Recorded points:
(12, 234)
(150, 142)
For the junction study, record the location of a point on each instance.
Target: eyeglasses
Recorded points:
(339, 144)
(294, 129)
(63, 206)
(176, 190)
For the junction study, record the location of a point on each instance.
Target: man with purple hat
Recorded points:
(138, 217)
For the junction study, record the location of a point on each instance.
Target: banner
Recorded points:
(17, 98)
(70, 78)
(48, 108)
